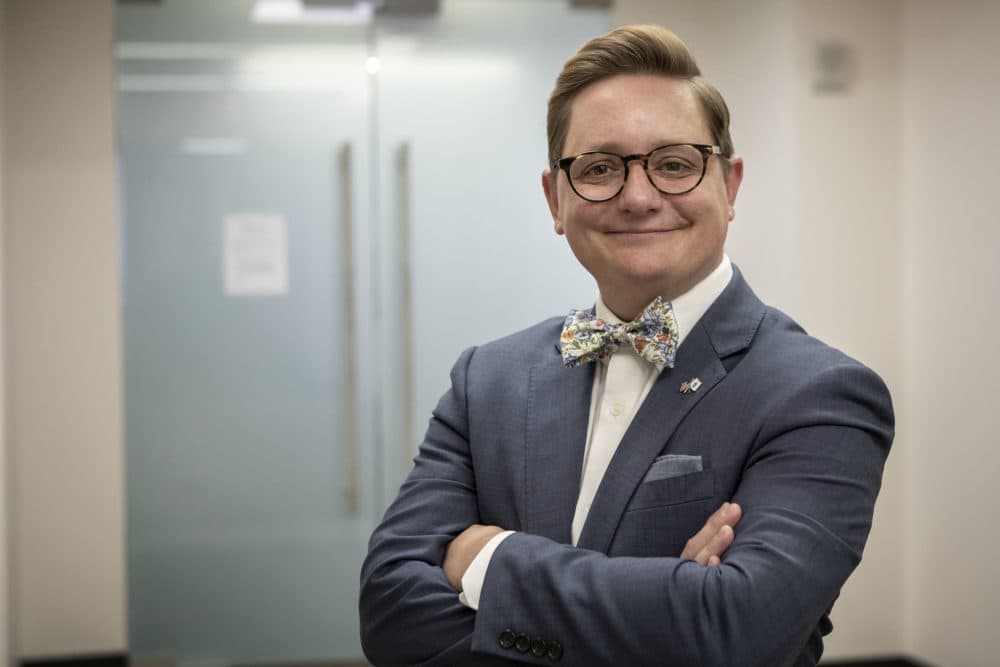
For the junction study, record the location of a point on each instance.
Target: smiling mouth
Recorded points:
(641, 232)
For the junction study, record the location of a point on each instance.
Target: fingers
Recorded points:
(712, 552)
(727, 515)
(731, 514)
(715, 536)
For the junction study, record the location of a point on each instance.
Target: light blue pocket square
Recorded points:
(672, 465)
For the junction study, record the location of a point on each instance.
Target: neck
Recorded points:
(626, 299)
(627, 305)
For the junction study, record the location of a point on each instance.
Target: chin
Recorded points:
(655, 271)
(652, 279)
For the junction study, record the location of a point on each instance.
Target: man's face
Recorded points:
(642, 243)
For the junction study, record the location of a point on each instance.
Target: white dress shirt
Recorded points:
(621, 384)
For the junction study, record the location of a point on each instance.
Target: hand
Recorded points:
(708, 545)
(463, 550)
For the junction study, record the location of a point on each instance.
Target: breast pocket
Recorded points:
(664, 514)
(673, 490)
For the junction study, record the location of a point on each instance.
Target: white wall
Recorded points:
(950, 144)
(815, 233)
(64, 354)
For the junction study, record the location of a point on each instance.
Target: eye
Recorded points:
(678, 162)
(673, 165)
(596, 167)
(599, 169)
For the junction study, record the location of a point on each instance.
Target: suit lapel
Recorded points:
(558, 414)
(654, 423)
(727, 328)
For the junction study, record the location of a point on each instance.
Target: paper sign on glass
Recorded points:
(255, 254)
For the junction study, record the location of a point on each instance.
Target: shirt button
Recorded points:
(617, 408)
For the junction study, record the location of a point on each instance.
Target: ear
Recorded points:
(734, 179)
(549, 181)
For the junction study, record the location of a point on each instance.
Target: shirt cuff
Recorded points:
(475, 575)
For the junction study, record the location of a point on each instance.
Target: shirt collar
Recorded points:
(690, 306)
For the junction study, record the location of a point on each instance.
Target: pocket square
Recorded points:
(672, 465)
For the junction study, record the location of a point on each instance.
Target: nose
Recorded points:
(638, 194)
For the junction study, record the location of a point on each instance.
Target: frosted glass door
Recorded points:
(243, 150)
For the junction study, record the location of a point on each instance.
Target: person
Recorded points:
(679, 475)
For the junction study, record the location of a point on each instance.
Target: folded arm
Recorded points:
(807, 494)
(706, 547)
(807, 491)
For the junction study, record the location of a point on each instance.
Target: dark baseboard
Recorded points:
(121, 660)
(889, 661)
(335, 663)
(90, 660)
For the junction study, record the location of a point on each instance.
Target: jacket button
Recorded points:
(538, 648)
(554, 651)
(507, 638)
(522, 643)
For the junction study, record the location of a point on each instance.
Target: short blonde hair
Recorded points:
(636, 49)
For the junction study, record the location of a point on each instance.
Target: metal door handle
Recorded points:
(404, 230)
(349, 334)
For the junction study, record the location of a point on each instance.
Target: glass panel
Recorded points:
(245, 537)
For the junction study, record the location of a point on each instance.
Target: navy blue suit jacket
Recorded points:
(791, 429)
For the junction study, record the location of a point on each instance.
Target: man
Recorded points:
(576, 495)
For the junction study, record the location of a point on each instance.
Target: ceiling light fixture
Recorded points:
(328, 12)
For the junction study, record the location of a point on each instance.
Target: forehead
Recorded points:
(635, 112)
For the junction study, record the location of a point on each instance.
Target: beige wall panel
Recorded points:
(65, 359)
(5, 596)
(847, 239)
(951, 102)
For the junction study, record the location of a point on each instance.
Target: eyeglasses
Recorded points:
(673, 170)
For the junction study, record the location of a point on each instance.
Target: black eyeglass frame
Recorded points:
(708, 150)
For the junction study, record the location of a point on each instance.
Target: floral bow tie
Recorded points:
(653, 334)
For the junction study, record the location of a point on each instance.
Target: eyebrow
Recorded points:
(614, 147)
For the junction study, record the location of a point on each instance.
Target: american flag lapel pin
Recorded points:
(691, 385)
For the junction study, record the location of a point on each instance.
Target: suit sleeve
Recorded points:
(808, 492)
(409, 612)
